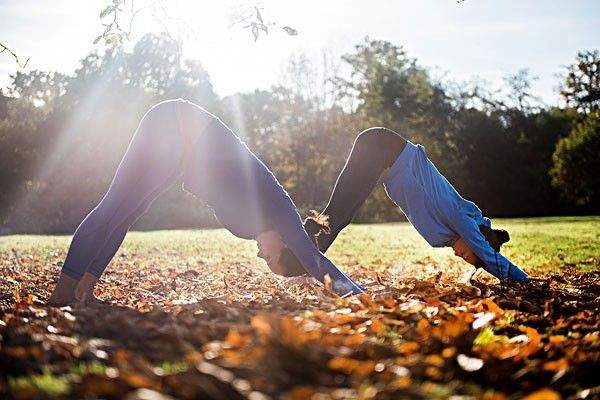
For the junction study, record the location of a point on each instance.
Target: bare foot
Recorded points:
(64, 291)
(55, 301)
(85, 291)
(93, 301)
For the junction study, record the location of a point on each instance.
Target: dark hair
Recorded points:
(495, 237)
(314, 224)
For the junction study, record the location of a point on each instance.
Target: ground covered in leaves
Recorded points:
(195, 315)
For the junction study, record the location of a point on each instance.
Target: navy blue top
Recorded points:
(231, 180)
(248, 200)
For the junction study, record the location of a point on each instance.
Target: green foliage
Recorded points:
(487, 336)
(390, 88)
(51, 171)
(62, 136)
(576, 169)
(581, 86)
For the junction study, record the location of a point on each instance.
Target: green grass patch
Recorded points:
(95, 367)
(487, 336)
(537, 244)
(172, 367)
(46, 383)
(547, 244)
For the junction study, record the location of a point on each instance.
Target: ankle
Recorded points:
(65, 285)
(85, 288)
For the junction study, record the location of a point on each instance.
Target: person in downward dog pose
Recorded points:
(178, 139)
(431, 204)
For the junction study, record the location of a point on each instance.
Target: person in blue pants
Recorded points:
(431, 204)
(179, 140)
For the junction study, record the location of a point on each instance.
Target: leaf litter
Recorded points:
(181, 332)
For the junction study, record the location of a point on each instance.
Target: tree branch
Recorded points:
(3, 49)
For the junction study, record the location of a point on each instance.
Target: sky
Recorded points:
(472, 39)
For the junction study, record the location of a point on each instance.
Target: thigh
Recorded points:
(153, 159)
(151, 163)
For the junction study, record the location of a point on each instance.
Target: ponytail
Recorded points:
(495, 237)
(316, 224)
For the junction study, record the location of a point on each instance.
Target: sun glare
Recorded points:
(216, 34)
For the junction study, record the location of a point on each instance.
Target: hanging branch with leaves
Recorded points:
(253, 20)
(4, 49)
(115, 33)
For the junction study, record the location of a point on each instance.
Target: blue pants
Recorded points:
(154, 160)
(152, 163)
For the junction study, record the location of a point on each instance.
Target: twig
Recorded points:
(3, 48)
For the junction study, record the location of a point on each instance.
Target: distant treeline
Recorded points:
(62, 136)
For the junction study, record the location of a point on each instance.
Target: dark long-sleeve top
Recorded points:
(227, 176)
(247, 199)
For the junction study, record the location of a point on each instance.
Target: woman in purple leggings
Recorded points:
(175, 140)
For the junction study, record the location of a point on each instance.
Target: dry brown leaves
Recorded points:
(409, 338)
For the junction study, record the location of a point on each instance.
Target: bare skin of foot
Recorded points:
(84, 292)
(64, 292)
(71, 291)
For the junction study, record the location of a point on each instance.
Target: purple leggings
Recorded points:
(152, 163)
(154, 160)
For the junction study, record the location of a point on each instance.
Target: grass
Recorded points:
(537, 244)
(46, 383)
(550, 243)
(173, 367)
(94, 367)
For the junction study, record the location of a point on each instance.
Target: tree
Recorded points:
(576, 169)
(390, 89)
(65, 135)
(386, 83)
(519, 86)
(581, 86)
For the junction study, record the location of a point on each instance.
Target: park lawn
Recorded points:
(537, 244)
(194, 314)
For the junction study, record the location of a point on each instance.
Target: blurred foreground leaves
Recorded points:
(427, 337)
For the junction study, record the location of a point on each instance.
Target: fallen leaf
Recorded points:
(543, 394)
(469, 364)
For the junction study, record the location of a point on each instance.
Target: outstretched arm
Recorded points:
(494, 262)
(284, 218)
(374, 151)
